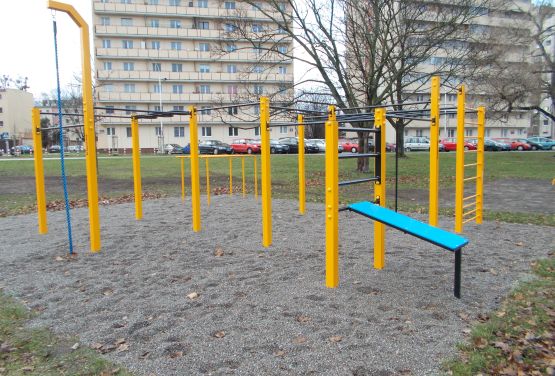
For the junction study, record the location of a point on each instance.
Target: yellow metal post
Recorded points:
(39, 172)
(434, 152)
(255, 178)
(243, 176)
(207, 182)
(379, 191)
(332, 200)
(136, 168)
(302, 186)
(182, 179)
(266, 172)
(459, 168)
(88, 116)
(195, 176)
(480, 165)
(230, 176)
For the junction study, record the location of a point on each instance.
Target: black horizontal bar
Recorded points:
(358, 155)
(230, 106)
(63, 127)
(349, 129)
(358, 181)
(394, 116)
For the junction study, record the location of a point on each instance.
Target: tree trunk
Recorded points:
(363, 164)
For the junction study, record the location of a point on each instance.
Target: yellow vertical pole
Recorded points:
(302, 185)
(379, 191)
(332, 200)
(88, 116)
(207, 182)
(459, 168)
(480, 165)
(243, 175)
(182, 179)
(195, 176)
(266, 172)
(434, 152)
(255, 178)
(136, 168)
(39, 172)
(230, 176)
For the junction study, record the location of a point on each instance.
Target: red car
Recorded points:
(450, 144)
(245, 146)
(349, 146)
(515, 144)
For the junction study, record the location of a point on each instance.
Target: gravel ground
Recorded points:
(259, 312)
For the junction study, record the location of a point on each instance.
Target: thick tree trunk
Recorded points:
(363, 164)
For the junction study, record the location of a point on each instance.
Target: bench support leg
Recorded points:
(458, 258)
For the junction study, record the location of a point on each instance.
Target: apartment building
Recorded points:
(15, 117)
(546, 126)
(504, 20)
(165, 55)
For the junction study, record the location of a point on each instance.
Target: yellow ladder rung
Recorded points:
(471, 178)
(470, 219)
(471, 164)
(469, 197)
(470, 212)
(469, 205)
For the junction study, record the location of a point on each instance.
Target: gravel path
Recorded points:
(269, 307)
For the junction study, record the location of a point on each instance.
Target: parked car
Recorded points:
(187, 149)
(291, 142)
(75, 148)
(390, 147)
(322, 145)
(417, 143)
(492, 145)
(214, 147)
(275, 146)
(541, 143)
(173, 149)
(515, 144)
(54, 149)
(311, 147)
(245, 145)
(349, 146)
(450, 144)
(22, 149)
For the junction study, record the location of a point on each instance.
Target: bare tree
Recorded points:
(19, 83)
(365, 52)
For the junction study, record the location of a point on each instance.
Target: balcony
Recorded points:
(142, 75)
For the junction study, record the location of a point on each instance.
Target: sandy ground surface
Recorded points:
(259, 311)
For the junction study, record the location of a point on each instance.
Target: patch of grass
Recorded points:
(39, 352)
(518, 338)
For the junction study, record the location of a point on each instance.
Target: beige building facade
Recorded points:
(166, 55)
(15, 116)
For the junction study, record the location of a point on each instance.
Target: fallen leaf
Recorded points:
(119, 341)
(508, 371)
(193, 295)
(123, 347)
(517, 356)
(503, 346)
(107, 291)
(59, 258)
(302, 318)
(336, 339)
(28, 369)
(144, 355)
(219, 252)
(493, 271)
(520, 244)
(177, 354)
(75, 346)
(219, 334)
(480, 342)
(299, 340)
(6, 348)
(279, 353)
(96, 346)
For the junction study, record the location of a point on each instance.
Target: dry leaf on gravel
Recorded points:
(503, 346)
(299, 340)
(219, 252)
(219, 334)
(144, 355)
(75, 346)
(302, 318)
(336, 339)
(279, 353)
(177, 354)
(123, 347)
(193, 295)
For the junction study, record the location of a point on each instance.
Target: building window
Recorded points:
(130, 109)
(232, 111)
(128, 66)
(230, 28)
(203, 25)
(257, 69)
(175, 2)
(205, 110)
(158, 131)
(258, 89)
(504, 132)
(281, 30)
(256, 110)
(109, 109)
(177, 67)
(177, 89)
(257, 50)
(451, 97)
(153, 2)
(232, 89)
(106, 43)
(282, 6)
(419, 133)
(155, 23)
(204, 89)
(155, 44)
(229, 5)
(233, 131)
(282, 70)
(468, 132)
(230, 48)
(206, 131)
(108, 88)
(107, 65)
(202, 3)
(156, 67)
(128, 131)
(231, 68)
(282, 129)
(450, 132)
(179, 131)
(129, 88)
(488, 132)
(126, 22)
(282, 49)
(175, 24)
(176, 46)
(257, 131)
(126, 1)
(204, 68)
(105, 21)
(452, 116)
(127, 44)
(110, 131)
(1, 123)
(204, 47)
(179, 108)
(282, 88)
(157, 88)
(157, 108)
(257, 28)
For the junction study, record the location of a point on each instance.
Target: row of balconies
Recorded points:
(154, 98)
(143, 75)
(187, 55)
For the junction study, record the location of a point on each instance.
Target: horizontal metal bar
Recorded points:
(390, 116)
(469, 197)
(358, 155)
(230, 106)
(123, 109)
(470, 212)
(471, 178)
(219, 156)
(349, 129)
(63, 127)
(469, 205)
(470, 219)
(471, 164)
(358, 181)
